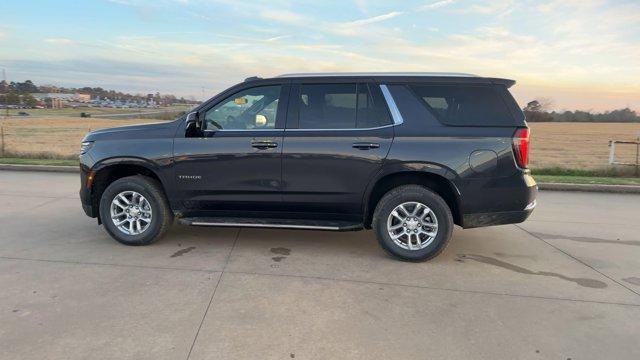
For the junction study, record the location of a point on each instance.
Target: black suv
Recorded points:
(405, 154)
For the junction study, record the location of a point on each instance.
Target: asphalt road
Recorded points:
(563, 285)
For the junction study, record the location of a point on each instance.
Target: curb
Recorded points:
(45, 168)
(618, 189)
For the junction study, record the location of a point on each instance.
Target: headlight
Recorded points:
(86, 145)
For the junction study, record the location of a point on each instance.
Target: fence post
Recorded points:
(2, 141)
(612, 151)
(638, 157)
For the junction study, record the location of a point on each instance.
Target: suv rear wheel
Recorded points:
(413, 223)
(134, 210)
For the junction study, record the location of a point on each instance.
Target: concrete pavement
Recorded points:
(564, 284)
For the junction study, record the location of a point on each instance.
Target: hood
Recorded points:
(140, 131)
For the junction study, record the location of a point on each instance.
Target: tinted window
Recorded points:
(327, 106)
(466, 105)
(372, 112)
(340, 106)
(250, 109)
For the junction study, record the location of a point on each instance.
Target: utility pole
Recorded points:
(6, 95)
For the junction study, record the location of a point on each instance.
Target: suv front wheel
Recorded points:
(134, 210)
(413, 223)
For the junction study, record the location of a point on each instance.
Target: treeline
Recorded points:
(535, 112)
(28, 87)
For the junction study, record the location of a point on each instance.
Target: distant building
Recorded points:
(83, 97)
(60, 100)
(63, 96)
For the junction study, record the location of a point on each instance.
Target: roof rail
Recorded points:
(252, 78)
(357, 74)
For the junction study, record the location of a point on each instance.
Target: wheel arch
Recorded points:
(110, 170)
(438, 181)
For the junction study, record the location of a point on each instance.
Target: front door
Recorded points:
(337, 136)
(235, 162)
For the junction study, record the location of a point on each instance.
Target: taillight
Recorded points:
(521, 147)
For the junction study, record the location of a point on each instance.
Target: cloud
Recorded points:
(493, 7)
(3, 34)
(373, 20)
(59, 41)
(285, 17)
(436, 5)
(278, 38)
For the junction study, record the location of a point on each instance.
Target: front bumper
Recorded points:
(85, 192)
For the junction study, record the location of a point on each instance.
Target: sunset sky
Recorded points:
(580, 54)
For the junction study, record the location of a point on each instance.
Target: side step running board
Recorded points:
(332, 225)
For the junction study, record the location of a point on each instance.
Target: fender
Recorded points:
(395, 167)
(161, 170)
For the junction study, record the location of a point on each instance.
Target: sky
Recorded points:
(576, 54)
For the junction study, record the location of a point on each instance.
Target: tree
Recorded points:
(29, 100)
(11, 98)
(536, 110)
(26, 87)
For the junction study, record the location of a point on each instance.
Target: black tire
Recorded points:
(162, 216)
(410, 193)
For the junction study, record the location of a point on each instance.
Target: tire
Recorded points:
(421, 247)
(160, 214)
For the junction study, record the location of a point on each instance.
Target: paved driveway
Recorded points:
(565, 284)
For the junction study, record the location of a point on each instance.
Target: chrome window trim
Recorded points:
(345, 129)
(395, 112)
(228, 130)
(295, 129)
(393, 108)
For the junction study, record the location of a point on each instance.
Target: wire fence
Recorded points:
(617, 145)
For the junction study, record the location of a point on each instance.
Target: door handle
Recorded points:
(263, 144)
(365, 145)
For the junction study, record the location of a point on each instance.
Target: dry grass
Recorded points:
(566, 145)
(580, 145)
(54, 137)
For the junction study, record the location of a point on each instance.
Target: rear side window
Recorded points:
(340, 106)
(465, 105)
(328, 106)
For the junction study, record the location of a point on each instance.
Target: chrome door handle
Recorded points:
(262, 144)
(365, 145)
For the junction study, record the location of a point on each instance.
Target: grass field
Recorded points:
(580, 145)
(563, 145)
(52, 137)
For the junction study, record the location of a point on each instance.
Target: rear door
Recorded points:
(336, 138)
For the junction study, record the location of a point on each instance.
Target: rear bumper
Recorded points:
(510, 204)
(495, 218)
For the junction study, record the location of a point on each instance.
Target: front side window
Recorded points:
(251, 109)
(340, 106)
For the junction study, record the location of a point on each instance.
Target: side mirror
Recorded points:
(261, 120)
(192, 117)
(192, 127)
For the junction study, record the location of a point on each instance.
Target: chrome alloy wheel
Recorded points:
(131, 212)
(412, 225)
